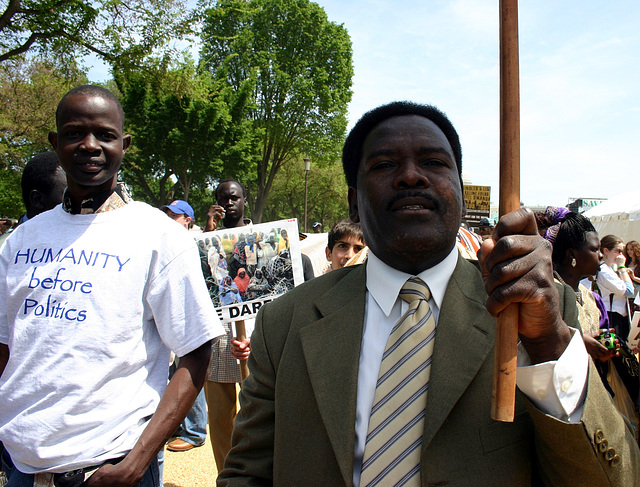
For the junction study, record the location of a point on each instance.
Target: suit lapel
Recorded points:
(464, 339)
(331, 347)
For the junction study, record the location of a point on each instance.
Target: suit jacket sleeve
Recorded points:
(600, 449)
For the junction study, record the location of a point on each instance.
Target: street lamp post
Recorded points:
(307, 168)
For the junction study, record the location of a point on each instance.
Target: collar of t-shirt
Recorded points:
(109, 200)
(384, 282)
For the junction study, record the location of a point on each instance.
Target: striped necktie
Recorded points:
(394, 437)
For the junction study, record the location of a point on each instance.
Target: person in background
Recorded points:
(43, 182)
(224, 371)
(192, 432)
(576, 256)
(181, 212)
(317, 227)
(615, 284)
(468, 243)
(632, 253)
(485, 228)
(343, 242)
(616, 287)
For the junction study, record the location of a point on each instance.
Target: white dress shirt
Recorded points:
(554, 387)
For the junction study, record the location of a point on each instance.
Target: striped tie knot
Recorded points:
(415, 289)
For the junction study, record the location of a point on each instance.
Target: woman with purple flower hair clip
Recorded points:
(576, 255)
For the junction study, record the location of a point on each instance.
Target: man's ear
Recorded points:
(352, 197)
(35, 199)
(327, 252)
(126, 142)
(53, 140)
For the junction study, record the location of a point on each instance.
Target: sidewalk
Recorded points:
(193, 468)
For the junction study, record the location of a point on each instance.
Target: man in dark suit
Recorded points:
(317, 351)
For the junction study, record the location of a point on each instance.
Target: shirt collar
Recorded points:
(98, 203)
(384, 282)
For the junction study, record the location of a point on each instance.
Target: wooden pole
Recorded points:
(505, 358)
(241, 333)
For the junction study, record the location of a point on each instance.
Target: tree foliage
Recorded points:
(301, 64)
(30, 90)
(186, 130)
(326, 199)
(11, 193)
(118, 31)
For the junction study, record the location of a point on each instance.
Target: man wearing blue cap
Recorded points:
(193, 430)
(181, 212)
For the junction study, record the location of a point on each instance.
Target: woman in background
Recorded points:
(615, 284)
(632, 253)
(576, 256)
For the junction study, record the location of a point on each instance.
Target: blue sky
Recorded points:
(579, 82)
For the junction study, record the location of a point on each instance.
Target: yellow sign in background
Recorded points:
(478, 197)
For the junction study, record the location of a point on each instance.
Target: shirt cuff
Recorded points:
(556, 387)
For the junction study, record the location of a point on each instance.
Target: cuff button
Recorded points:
(615, 461)
(604, 444)
(610, 454)
(599, 436)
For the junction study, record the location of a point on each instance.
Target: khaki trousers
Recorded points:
(221, 403)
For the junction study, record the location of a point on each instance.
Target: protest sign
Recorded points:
(246, 267)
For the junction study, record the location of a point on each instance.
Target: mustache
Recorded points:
(413, 193)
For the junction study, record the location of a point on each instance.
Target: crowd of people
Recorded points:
(377, 372)
(242, 267)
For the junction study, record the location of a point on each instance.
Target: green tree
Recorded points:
(186, 130)
(121, 32)
(11, 193)
(302, 66)
(30, 90)
(326, 199)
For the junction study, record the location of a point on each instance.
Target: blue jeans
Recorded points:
(19, 479)
(194, 427)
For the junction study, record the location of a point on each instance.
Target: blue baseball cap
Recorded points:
(180, 207)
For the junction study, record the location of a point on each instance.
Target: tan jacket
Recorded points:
(297, 422)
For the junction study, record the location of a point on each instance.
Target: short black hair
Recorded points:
(244, 191)
(572, 234)
(39, 174)
(344, 228)
(92, 90)
(352, 150)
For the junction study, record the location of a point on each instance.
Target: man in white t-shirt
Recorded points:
(91, 302)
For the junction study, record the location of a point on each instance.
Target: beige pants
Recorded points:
(222, 407)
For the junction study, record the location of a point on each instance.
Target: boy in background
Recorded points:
(345, 241)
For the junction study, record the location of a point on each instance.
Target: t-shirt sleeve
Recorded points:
(4, 325)
(181, 305)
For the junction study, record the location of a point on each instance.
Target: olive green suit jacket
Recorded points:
(298, 406)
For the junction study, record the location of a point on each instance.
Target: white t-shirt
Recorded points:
(90, 306)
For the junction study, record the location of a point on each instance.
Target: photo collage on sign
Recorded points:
(248, 266)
